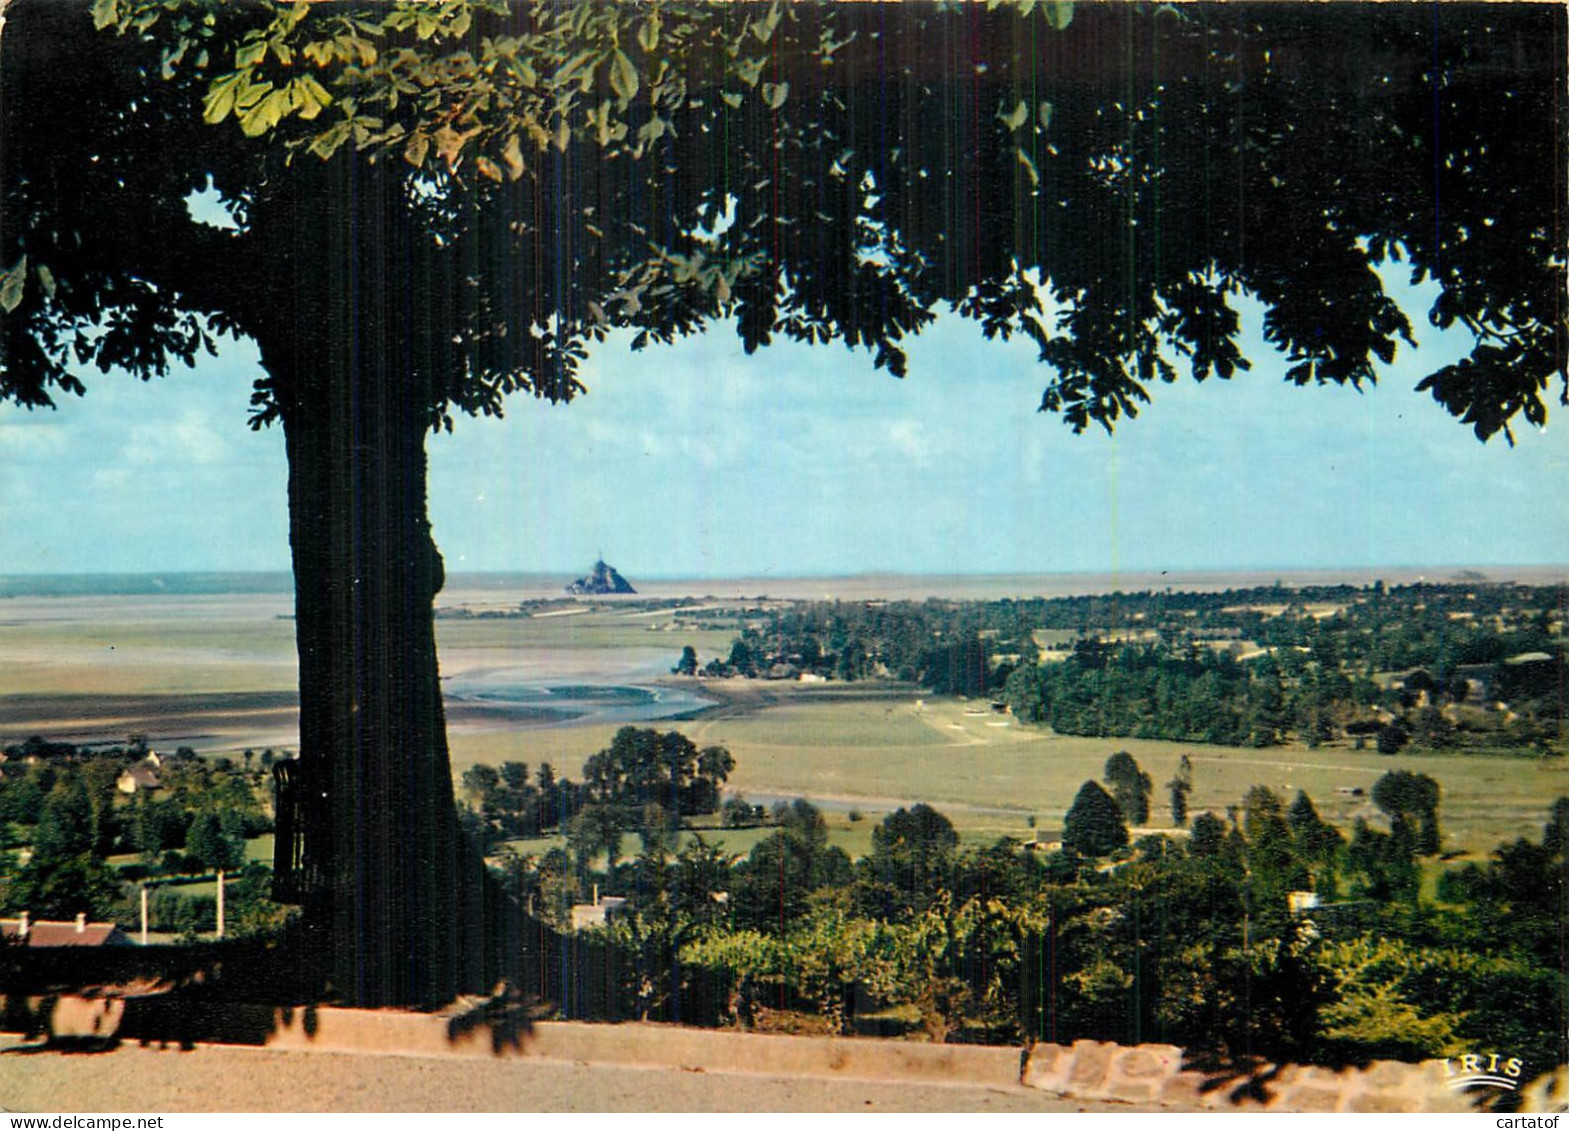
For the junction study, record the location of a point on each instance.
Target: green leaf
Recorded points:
(537, 134)
(572, 66)
(651, 130)
(360, 47)
(487, 168)
(248, 94)
(12, 284)
(648, 34)
(313, 97)
(45, 279)
(1045, 115)
(265, 114)
(1059, 13)
(105, 13)
(525, 72)
(250, 54)
(414, 152)
(775, 93)
(320, 52)
(170, 59)
(599, 119)
(512, 157)
(623, 76)
(220, 98)
(328, 143)
(1015, 117)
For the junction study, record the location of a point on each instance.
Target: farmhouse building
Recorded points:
(49, 932)
(137, 778)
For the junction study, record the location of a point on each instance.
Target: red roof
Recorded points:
(49, 932)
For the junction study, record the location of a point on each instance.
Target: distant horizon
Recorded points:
(1052, 583)
(1398, 567)
(875, 572)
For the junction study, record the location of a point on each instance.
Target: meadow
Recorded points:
(990, 775)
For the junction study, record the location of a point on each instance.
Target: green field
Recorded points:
(977, 767)
(854, 837)
(988, 774)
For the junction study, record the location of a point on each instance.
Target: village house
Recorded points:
(51, 932)
(137, 778)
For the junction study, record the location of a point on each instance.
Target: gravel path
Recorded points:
(135, 1080)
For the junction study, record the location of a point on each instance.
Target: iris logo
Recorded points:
(1482, 1070)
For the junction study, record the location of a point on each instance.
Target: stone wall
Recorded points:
(1091, 1070)
(1163, 1074)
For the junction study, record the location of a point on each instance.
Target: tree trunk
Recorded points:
(380, 833)
(390, 889)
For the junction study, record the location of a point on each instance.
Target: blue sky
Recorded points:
(697, 461)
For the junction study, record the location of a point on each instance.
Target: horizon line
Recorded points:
(811, 575)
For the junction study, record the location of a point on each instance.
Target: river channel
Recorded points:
(525, 701)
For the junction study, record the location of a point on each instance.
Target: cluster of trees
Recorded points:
(1188, 694)
(249, 910)
(642, 781)
(1097, 822)
(507, 803)
(1441, 626)
(1184, 940)
(949, 646)
(60, 803)
(1165, 665)
(1525, 883)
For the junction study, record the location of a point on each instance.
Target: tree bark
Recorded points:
(390, 889)
(382, 853)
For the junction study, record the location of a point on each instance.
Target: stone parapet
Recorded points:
(1143, 1075)
(1163, 1074)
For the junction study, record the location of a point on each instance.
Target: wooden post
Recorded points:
(144, 914)
(220, 903)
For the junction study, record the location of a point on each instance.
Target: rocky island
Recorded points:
(601, 580)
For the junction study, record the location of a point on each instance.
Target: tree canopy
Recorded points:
(1410, 801)
(1094, 826)
(1130, 786)
(817, 180)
